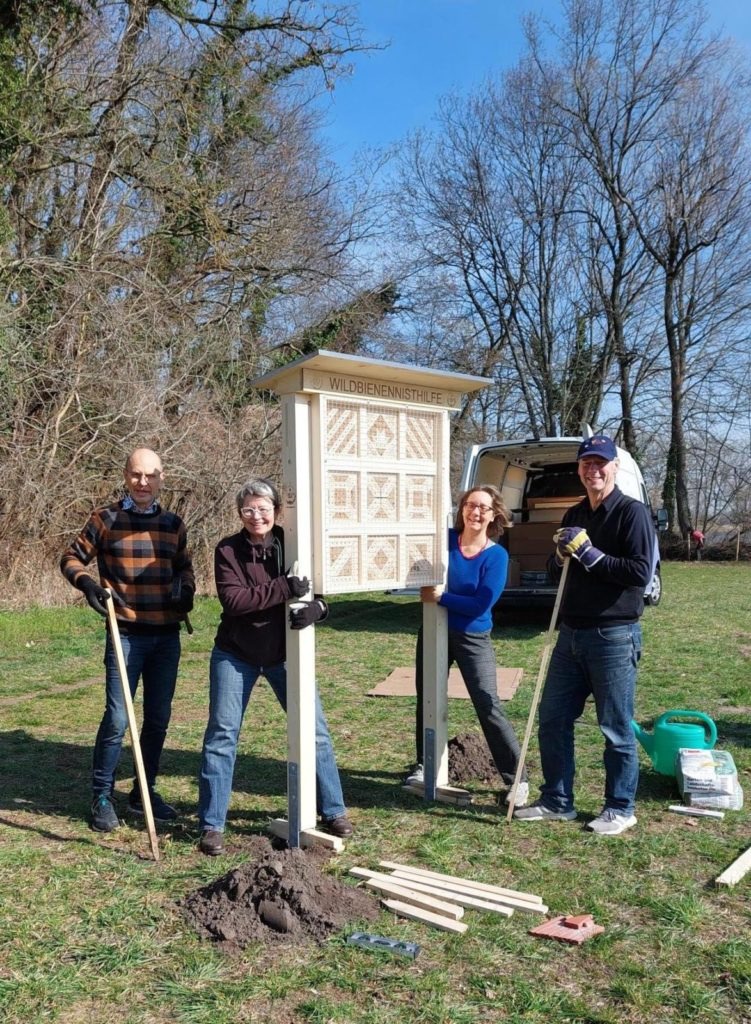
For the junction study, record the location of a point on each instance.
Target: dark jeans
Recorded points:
(474, 655)
(153, 658)
(601, 661)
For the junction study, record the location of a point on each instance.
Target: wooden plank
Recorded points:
(481, 886)
(538, 687)
(418, 899)
(463, 899)
(135, 743)
(308, 837)
(446, 924)
(457, 890)
(443, 794)
(735, 872)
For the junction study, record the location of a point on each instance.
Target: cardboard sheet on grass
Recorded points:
(401, 683)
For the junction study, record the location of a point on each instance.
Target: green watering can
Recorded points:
(668, 737)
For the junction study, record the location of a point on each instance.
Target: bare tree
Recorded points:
(164, 192)
(695, 228)
(486, 204)
(587, 216)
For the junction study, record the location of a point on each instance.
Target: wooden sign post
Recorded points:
(367, 501)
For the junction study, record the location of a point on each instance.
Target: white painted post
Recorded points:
(435, 697)
(298, 538)
(435, 648)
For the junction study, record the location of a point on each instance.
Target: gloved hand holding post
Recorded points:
(574, 541)
(97, 596)
(299, 586)
(307, 614)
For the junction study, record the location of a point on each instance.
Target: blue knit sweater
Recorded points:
(473, 586)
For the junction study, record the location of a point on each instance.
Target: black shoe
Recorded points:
(161, 810)
(341, 826)
(212, 843)
(103, 814)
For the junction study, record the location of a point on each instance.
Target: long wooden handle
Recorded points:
(132, 726)
(538, 688)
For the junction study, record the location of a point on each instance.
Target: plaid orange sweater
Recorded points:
(138, 557)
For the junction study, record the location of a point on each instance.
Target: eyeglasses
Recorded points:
(256, 513)
(482, 509)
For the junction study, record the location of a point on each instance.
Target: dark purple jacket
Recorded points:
(252, 587)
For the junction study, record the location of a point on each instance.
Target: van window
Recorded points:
(560, 481)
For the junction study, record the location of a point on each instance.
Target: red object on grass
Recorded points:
(575, 928)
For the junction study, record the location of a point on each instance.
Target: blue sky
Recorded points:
(436, 46)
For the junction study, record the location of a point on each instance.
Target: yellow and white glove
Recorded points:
(573, 541)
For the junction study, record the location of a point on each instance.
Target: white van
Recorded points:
(539, 481)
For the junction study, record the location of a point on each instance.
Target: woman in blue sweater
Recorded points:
(476, 577)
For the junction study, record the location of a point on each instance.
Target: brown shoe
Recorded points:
(212, 843)
(341, 826)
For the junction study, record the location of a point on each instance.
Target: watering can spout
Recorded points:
(646, 739)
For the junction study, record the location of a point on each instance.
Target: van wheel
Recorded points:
(655, 591)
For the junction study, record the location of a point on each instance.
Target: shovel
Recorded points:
(538, 687)
(132, 726)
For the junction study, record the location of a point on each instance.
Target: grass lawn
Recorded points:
(90, 930)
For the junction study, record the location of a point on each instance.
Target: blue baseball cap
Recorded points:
(598, 444)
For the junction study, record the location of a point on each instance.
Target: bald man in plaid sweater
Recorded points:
(141, 551)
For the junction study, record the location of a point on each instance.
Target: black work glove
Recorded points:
(96, 595)
(298, 586)
(308, 613)
(181, 599)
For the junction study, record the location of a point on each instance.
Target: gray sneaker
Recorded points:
(539, 812)
(416, 777)
(103, 814)
(611, 822)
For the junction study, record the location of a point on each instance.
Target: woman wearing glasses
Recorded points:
(477, 569)
(253, 589)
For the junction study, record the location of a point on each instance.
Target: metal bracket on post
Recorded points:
(429, 763)
(293, 804)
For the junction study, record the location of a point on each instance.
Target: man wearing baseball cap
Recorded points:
(610, 539)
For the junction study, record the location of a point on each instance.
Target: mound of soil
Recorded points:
(282, 895)
(469, 759)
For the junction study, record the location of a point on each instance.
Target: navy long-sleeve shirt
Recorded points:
(612, 592)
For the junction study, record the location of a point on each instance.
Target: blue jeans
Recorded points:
(475, 657)
(601, 661)
(231, 683)
(153, 658)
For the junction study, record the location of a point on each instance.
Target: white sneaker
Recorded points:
(611, 822)
(416, 777)
(539, 812)
(522, 795)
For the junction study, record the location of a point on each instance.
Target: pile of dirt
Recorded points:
(281, 895)
(469, 759)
